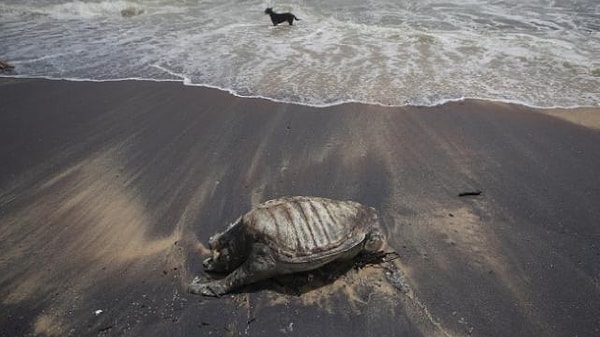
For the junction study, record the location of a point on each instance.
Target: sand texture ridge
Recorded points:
(109, 191)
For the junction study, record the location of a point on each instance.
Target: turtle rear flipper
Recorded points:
(373, 241)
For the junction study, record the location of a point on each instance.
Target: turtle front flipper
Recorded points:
(259, 265)
(214, 289)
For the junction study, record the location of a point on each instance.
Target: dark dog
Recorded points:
(278, 18)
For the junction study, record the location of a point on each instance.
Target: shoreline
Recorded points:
(582, 115)
(108, 190)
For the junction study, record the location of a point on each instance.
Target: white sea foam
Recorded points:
(383, 52)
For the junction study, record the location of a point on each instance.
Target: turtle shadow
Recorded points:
(300, 283)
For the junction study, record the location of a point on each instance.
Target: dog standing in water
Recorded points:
(278, 18)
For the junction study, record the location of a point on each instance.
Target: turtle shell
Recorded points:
(305, 229)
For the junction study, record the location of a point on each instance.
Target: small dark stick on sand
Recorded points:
(464, 194)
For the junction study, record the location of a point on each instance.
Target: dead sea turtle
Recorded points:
(288, 235)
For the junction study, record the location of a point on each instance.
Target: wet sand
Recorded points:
(108, 190)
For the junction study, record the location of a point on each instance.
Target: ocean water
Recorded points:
(541, 53)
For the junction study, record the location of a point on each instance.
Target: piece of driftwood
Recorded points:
(4, 66)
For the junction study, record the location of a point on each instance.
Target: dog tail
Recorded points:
(296, 18)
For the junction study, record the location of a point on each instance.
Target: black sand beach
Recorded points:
(108, 190)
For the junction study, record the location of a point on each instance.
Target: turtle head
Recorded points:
(228, 249)
(221, 255)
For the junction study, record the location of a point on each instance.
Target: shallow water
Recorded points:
(543, 53)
